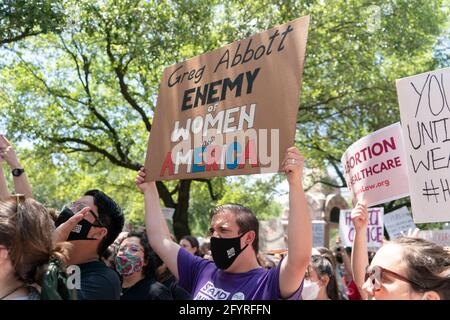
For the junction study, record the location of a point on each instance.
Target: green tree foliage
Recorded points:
(92, 88)
(356, 49)
(59, 179)
(259, 194)
(85, 95)
(20, 19)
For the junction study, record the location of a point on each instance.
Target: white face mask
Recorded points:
(310, 290)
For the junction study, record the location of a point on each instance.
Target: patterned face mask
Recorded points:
(127, 264)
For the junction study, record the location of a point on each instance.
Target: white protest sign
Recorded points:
(424, 102)
(398, 223)
(318, 227)
(374, 228)
(375, 167)
(440, 237)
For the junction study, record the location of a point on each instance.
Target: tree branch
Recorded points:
(50, 90)
(21, 36)
(323, 182)
(338, 172)
(93, 148)
(164, 194)
(175, 190)
(85, 83)
(315, 147)
(163, 191)
(210, 187)
(340, 95)
(75, 59)
(120, 74)
(390, 206)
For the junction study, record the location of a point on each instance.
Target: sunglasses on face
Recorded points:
(376, 274)
(78, 206)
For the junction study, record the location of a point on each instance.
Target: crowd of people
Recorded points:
(37, 246)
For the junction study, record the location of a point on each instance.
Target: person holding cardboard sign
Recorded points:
(402, 269)
(235, 273)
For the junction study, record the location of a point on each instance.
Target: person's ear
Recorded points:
(431, 295)
(250, 237)
(100, 233)
(3, 254)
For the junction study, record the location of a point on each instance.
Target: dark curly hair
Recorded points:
(150, 257)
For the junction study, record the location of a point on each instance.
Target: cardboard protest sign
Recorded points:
(424, 102)
(375, 167)
(398, 223)
(318, 227)
(231, 111)
(440, 237)
(374, 228)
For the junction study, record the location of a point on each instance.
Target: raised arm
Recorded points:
(4, 193)
(21, 184)
(156, 226)
(294, 266)
(360, 259)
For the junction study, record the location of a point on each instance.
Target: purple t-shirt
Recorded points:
(205, 281)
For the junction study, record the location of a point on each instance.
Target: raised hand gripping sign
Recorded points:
(374, 228)
(231, 111)
(424, 102)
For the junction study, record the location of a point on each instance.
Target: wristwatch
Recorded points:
(17, 172)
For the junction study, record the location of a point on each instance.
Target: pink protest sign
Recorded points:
(374, 228)
(375, 167)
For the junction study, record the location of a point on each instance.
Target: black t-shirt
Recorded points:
(146, 289)
(178, 293)
(98, 282)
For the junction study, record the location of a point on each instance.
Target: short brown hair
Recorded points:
(245, 219)
(427, 264)
(26, 230)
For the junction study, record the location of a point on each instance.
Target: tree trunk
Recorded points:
(165, 195)
(180, 217)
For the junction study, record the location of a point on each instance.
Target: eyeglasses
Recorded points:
(78, 206)
(376, 276)
(131, 249)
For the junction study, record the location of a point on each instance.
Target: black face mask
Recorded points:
(225, 250)
(80, 231)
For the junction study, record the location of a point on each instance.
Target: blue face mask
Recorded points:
(80, 231)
